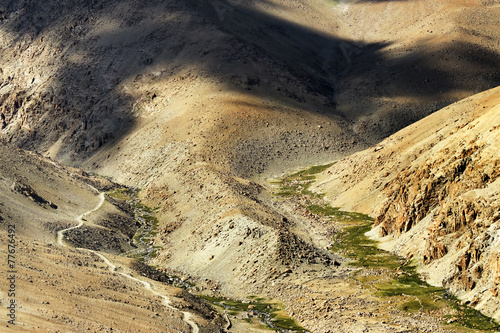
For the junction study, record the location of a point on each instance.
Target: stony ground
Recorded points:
(434, 197)
(62, 288)
(198, 102)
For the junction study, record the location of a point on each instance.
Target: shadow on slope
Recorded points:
(96, 46)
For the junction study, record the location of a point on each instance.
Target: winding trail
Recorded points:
(112, 267)
(79, 219)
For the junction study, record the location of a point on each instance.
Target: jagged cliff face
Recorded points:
(437, 200)
(418, 190)
(455, 193)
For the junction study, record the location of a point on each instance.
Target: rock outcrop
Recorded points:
(456, 191)
(436, 199)
(29, 192)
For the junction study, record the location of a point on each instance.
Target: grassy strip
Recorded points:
(268, 313)
(353, 243)
(299, 182)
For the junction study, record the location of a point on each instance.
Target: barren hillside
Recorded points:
(60, 288)
(196, 103)
(240, 79)
(433, 188)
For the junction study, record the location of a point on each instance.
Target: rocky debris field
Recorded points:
(197, 103)
(436, 199)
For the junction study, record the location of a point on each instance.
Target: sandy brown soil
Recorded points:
(364, 182)
(198, 102)
(68, 290)
(59, 288)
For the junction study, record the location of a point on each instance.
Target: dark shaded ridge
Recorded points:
(262, 54)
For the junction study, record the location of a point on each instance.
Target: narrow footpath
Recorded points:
(166, 301)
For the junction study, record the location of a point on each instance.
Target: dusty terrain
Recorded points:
(197, 103)
(240, 83)
(59, 288)
(434, 190)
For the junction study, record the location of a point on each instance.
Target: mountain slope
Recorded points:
(362, 70)
(434, 190)
(196, 102)
(62, 288)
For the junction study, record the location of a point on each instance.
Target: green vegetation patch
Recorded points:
(311, 171)
(338, 215)
(408, 283)
(417, 295)
(469, 317)
(286, 191)
(125, 194)
(268, 313)
(149, 224)
(353, 243)
(299, 182)
(141, 207)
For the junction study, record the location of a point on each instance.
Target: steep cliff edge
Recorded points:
(433, 188)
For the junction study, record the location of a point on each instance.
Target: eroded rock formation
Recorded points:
(434, 190)
(455, 193)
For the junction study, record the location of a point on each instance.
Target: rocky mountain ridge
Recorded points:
(198, 102)
(436, 201)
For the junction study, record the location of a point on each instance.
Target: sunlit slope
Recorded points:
(433, 188)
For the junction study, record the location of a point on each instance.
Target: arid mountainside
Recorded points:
(62, 288)
(248, 82)
(41, 195)
(433, 188)
(197, 103)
